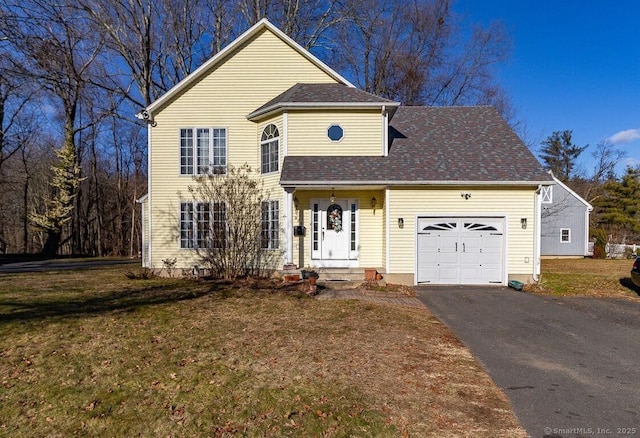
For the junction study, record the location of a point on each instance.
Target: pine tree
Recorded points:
(619, 207)
(559, 154)
(66, 180)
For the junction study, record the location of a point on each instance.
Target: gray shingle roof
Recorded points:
(333, 94)
(434, 145)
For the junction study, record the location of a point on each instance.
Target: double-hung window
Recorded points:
(269, 225)
(203, 151)
(269, 149)
(203, 224)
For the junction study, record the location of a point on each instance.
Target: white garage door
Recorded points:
(460, 250)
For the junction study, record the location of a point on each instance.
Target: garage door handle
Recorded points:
(464, 249)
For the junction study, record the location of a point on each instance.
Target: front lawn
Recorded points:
(591, 277)
(94, 353)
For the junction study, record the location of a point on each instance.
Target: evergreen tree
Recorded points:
(559, 154)
(66, 181)
(619, 207)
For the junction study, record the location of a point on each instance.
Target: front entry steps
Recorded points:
(344, 278)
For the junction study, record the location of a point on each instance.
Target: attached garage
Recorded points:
(460, 250)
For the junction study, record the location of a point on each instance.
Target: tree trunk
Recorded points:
(52, 243)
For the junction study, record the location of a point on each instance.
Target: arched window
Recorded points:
(269, 149)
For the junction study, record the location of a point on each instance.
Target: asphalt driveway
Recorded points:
(570, 366)
(21, 266)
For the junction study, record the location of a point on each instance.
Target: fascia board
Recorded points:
(257, 115)
(391, 183)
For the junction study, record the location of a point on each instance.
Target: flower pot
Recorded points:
(370, 274)
(312, 280)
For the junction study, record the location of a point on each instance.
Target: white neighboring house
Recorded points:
(564, 223)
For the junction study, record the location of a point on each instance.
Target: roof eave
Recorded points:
(325, 183)
(276, 108)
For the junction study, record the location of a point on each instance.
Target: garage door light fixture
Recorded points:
(523, 223)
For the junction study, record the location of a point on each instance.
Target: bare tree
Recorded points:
(306, 21)
(49, 46)
(411, 52)
(159, 41)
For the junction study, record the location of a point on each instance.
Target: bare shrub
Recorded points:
(228, 237)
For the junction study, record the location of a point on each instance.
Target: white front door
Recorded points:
(334, 232)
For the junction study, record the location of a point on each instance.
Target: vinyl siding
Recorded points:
(236, 86)
(513, 203)
(362, 132)
(564, 212)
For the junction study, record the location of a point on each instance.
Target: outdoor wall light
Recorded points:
(373, 202)
(295, 202)
(523, 223)
(332, 199)
(400, 222)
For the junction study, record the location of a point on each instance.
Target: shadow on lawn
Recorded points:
(119, 301)
(626, 282)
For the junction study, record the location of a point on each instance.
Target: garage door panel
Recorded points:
(447, 275)
(460, 250)
(469, 275)
(491, 275)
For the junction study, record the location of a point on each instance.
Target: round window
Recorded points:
(335, 133)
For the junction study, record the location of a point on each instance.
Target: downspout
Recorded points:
(385, 131)
(537, 231)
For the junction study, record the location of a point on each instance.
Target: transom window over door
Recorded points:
(203, 151)
(269, 149)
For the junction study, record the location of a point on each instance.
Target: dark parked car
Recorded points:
(635, 272)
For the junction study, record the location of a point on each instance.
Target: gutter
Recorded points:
(324, 183)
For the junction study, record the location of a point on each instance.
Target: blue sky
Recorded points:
(574, 65)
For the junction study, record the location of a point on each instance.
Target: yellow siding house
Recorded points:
(422, 195)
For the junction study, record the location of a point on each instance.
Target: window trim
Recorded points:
(271, 141)
(192, 160)
(335, 125)
(568, 230)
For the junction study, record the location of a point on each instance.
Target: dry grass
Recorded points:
(589, 277)
(92, 353)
